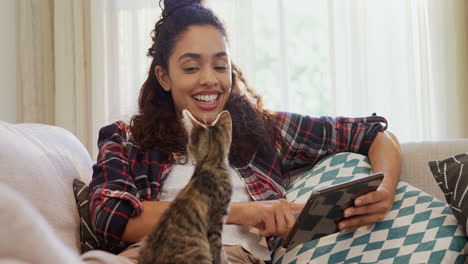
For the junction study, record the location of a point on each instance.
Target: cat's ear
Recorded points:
(190, 121)
(223, 120)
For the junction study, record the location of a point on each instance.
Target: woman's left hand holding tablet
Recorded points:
(368, 209)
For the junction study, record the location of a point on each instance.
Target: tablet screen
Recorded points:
(325, 209)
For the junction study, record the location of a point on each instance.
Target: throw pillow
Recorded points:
(452, 176)
(418, 229)
(88, 240)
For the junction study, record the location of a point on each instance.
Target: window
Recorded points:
(287, 47)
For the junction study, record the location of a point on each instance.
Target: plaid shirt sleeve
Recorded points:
(307, 139)
(113, 194)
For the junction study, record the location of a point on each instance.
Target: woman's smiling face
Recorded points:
(199, 72)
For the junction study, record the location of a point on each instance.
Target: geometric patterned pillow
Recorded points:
(88, 240)
(452, 176)
(418, 229)
(334, 169)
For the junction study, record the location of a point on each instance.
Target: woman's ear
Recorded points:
(163, 78)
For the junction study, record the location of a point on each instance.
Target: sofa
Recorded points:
(38, 164)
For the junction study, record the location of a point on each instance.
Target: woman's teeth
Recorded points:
(206, 99)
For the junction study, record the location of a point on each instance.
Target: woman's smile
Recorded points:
(207, 100)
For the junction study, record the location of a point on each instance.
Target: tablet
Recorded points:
(325, 207)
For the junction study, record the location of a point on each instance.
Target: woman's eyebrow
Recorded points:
(198, 56)
(190, 55)
(220, 54)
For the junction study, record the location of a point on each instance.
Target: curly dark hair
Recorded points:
(157, 126)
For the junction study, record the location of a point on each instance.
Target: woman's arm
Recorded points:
(113, 192)
(270, 217)
(385, 156)
(141, 225)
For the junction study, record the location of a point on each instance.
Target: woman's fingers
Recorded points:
(270, 226)
(278, 217)
(369, 209)
(358, 221)
(380, 194)
(379, 207)
(265, 218)
(290, 219)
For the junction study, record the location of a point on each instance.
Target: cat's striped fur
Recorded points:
(190, 229)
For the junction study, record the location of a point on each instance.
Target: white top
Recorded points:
(247, 237)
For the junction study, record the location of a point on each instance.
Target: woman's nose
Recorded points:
(208, 77)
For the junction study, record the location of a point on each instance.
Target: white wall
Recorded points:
(7, 61)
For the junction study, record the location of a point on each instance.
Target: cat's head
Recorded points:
(208, 140)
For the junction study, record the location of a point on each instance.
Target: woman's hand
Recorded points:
(385, 156)
(274, 217)
(368, 209)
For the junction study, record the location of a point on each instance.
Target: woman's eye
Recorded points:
(220, 68)
(190, 69)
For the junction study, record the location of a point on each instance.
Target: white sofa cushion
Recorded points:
(41, 244)
(40, 162)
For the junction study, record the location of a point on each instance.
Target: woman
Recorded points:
(141, 166)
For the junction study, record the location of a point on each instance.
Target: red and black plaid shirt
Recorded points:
(124, 176)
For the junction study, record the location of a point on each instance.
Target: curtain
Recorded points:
(80, 64)
(72, 57)
(121, 36)
(53, 59)
(406, 60)
(35, 63)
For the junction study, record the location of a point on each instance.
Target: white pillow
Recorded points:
(40, 162)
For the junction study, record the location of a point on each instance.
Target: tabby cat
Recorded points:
(190, 230)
